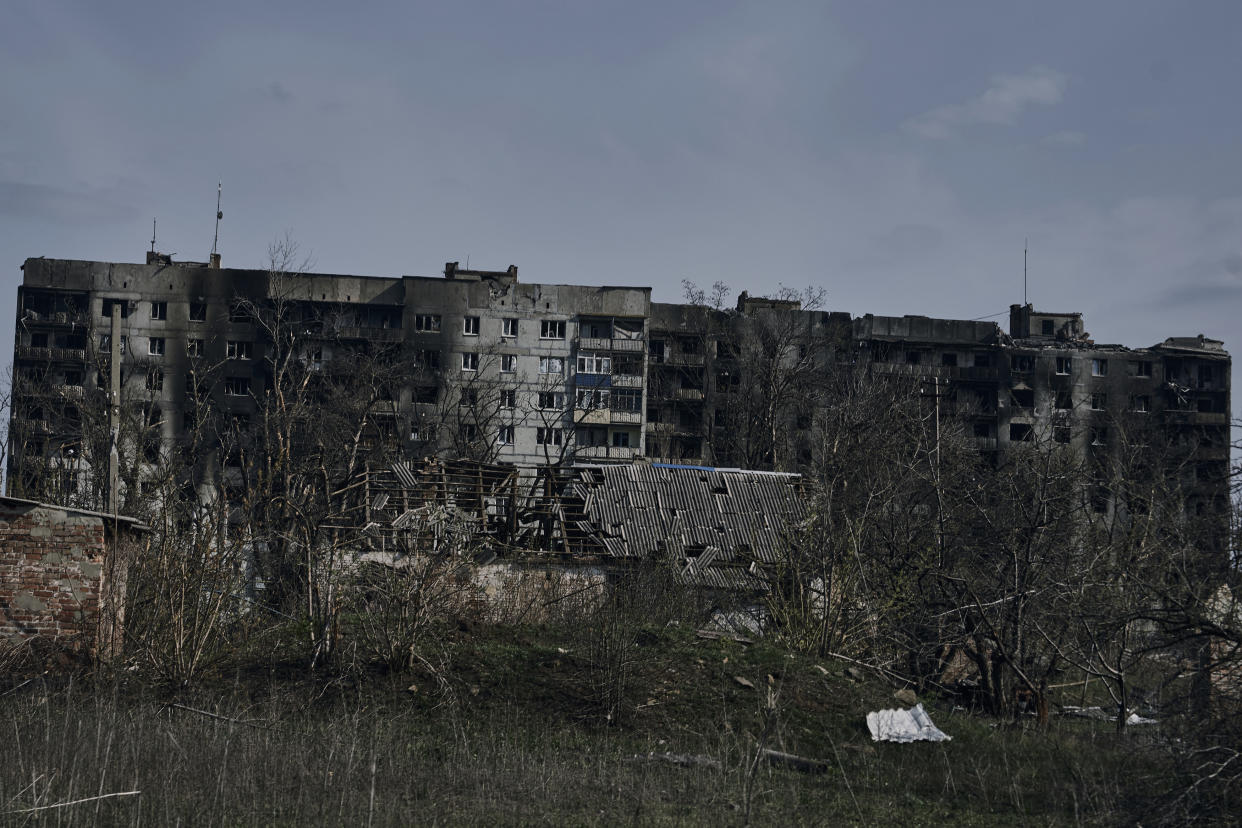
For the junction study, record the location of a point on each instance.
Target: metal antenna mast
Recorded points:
(219, 215)
(1024, 241)
(152, 235)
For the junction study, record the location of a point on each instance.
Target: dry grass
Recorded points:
(517, 735)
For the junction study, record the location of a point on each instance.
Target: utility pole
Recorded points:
(114, 410)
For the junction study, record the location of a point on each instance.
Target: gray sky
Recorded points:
(894, 153)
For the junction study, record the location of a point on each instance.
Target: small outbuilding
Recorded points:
(63, 574)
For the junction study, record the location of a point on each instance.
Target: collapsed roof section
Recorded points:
(716, 527)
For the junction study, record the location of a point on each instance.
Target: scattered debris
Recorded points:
(913, 725)
(1099, 715)
(715, 635)
(854, 673)
(685, 760)
(789, 760)
(745, 682)
(906, 696)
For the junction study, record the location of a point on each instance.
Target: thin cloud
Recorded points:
(1001, 103)
(1064, 138)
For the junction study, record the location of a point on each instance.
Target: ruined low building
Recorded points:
(63, 575)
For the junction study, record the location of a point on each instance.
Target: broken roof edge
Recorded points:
(133, 523)
(721, 469)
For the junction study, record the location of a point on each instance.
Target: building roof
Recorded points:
(132, 523)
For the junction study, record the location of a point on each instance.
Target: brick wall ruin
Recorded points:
(62, 576)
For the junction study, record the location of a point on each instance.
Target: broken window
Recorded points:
(548, 436)
(1020, 432)
(508, 363)
(429, 359)
(198, 311)
(1138, 368)
(551, 365)
(627, 400)
(621, 439)
(508, 398)
(656, 351)
(121, 303)
(551, 329)
(1099, 367)
(155, 380)
(236, 349)
(194, 347)
(1140, 403)
(1022, 363)
(592, 398)
(1099, 401)
(983, 360)
(155, 346)
(237, 386)
(470, 326)
(1061, 433)
(1046, 327)
(1099, 435)
(505, 435)
(1064, 401)
(508, 327)
(159, 311)
(913, 357)
(1063, 365)
(1023, 397)
(948, 360)
(105, 342)
(427, 323)
(593, 363)
(470, 396)
(469, 361)
(426, 394)
(551, 400)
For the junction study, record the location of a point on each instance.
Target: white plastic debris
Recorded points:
(1136, 719)
(913, 725)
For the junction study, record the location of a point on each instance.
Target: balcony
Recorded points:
(689, 393)
(605, 343)
(1184, 417)
(684, 360)
(627, 417)
(370, 334)
(52, 354)
(606, 452)
(77, 318)
(626, 381)
(591, 416)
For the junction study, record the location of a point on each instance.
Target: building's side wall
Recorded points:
(53, 575)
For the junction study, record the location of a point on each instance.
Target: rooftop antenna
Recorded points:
(152, 235)
(1024, 241)
(219, 215)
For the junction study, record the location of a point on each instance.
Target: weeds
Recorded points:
(525, 744)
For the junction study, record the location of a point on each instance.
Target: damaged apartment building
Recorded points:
(501, 371)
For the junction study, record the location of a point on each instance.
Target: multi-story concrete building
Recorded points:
(488, 367)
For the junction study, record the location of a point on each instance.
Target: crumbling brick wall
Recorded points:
(60, 577)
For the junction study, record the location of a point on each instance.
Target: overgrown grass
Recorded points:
(516, 734)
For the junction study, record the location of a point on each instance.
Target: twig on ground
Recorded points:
(75, 802)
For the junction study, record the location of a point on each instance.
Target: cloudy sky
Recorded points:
(896, 154)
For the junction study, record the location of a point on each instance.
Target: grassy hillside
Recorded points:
(512, 726)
